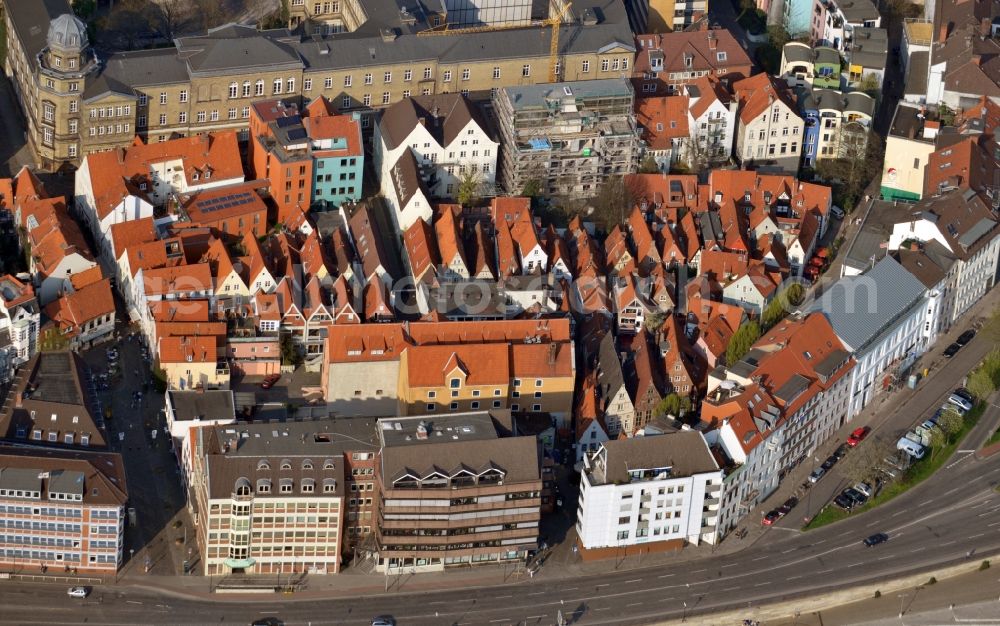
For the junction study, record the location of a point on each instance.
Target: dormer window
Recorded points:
(263, 486)
(142, 186)
(286, 464)
(263, 465)
(328, 464)
(307, 464)
(194, 176)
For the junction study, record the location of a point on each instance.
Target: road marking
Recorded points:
(438, 602)
(698, 571)
(926, 502)
(726, 565)
(730, 588)
(762, 584)
(497, 621)
(855, 564)
(761, 558)
(882, 558)
(994, 524)
(570, 588)
(947, 543)
(985, 514)
(603, 608)
(789, 550)
(537, 593)
(535, 617)
(634, 604)
(602, 585)
(503, 597)
(898, 513)
(666, 599)
(634, 580)
(825, 571)
(793, 577)
(979, 535)
(133, 602)
(819, 542)
(669, 575)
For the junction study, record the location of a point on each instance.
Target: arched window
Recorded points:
(328, 464)
(264, 485)
(234, 90)
(258, 89)
(307, 464)
(242, 487)
(246, 89)
(329, 485)
(263, 465)
(286, 464)
(308, 485)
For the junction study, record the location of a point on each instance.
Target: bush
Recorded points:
(932, 581)
(878, 594)
(984, 565)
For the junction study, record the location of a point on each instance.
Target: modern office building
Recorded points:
(61, 511)
(454, 493)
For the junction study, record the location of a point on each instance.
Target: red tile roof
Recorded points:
(132, 233)
(663, 120)
(73, 310)
(757, 93)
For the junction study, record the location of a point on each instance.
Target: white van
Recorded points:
(911, 447)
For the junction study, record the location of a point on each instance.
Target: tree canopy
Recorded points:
(741, 341)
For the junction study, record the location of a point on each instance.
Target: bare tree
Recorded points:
(170, 15)
(863, 462)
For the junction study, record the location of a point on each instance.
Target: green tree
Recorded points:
(783, 304)
(937, 441)
(654, 320)
(741, 341)
(532, 188)
(469, 188)
(673, 404)
(290, 353)
(950, 423)
(980, 383)
(870, 85)
(648, 165)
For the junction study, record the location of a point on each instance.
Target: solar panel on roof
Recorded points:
(285, 122)
(297, 133)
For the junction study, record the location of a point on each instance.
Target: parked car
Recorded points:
(384, 620)
(790, 503)
(965, 337)
(959, 401)
(952, 350)
(856, 496)
(844, 502)
(948, 406)
(919, 437)
(817, 474)
(913, 448)
(841, 451)
(876, 539)
(864, 488)
(78, 592)
(928, 425)
(829, 462)
(771, 518)
(837, 212)
(962, 392)
(858, 435)
(270, 381)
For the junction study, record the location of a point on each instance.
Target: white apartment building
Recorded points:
(879, 316)
(19, 321)
(770, 129)
(655, 488)
(964, 225)
(712, 119)
(449, 138)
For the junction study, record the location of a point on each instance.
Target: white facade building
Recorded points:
(649, 489)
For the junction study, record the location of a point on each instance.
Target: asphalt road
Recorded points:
(953, 516)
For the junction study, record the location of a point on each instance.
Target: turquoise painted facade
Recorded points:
(337, 179)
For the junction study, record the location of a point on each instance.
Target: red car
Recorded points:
(270, 380)
(771, 517)
(858, 436)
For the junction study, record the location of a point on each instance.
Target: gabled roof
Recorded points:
(73, 310)
(449, 237)
(757, 93)
(188, 349)
(704, 92)
(443, 115)
(421, 250)
(663, 119)
(132, 233)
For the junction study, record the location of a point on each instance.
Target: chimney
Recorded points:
(553, 350)
(422, 430)
(985, 27)
(977, 60)
(713, 42)
(943, 32)
(915, 246)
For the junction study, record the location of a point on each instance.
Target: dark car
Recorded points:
(844, 502)
(384, 620)
(790, 503)
(965, 337)
(952, 350)
(962, 392)
(829, 462)
(770, 518)
(855, 495)
(876, 539)
(267, 621)
(841, 451)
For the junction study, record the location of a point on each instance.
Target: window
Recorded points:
(163, 97)
(290, 85)
(720, 56)
(431, 407)
(182, 117)
(74, 106)
(387, 77)
(585, 67)
(201, 116)
(276, 87)
(427, 73)
(466, 74)
(307, 84)
(525, 70)
(368, 79)
(258, 89)
(407, 75)
(345, 102)
(367, 100)
(246, 89)
(234, 90)
(72, 153)
(385, 97)
(163, 119)
(605, 65)
(447, 76)
(232, 113)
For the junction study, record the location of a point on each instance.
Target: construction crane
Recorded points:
(553, 21)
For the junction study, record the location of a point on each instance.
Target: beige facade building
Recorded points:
(77, 103)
